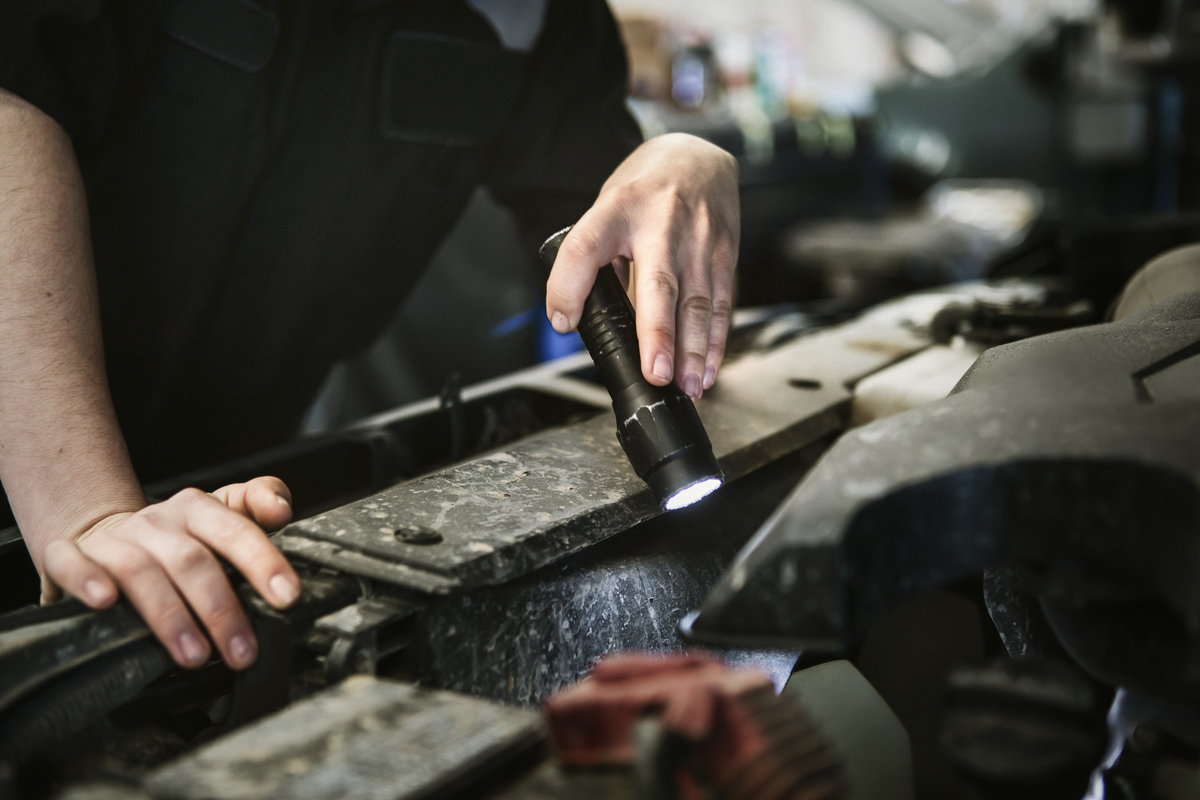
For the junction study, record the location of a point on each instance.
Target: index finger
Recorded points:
(244, 545)
(595, 241)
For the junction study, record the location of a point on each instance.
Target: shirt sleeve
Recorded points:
(571, 128)
(66, 59)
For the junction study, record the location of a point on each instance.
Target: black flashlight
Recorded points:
(657, 426)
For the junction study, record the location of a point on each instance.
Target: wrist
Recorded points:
(79, 523)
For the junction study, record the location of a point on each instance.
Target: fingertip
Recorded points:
(560, 323)
(69, 570)
(280, 513)
(654, 380)
(191, 650)
(277, 487)
(242, 651)
(98, 593)
(661, 370)
(284, 589)
(269, 502)
(710, 377)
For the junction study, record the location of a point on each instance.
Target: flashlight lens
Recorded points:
(691, 494)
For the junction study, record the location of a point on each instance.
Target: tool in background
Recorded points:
(684, 720)
(658, 426)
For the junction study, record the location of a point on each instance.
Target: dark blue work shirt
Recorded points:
(266, 180)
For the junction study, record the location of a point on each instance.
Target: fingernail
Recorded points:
(283, 501)
(691, 386)
(662, 366)
(95, 591)
(193, 651)
(284, 590)
(242, 650)
(560, 322)
(710, 376)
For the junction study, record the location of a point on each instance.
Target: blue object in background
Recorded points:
(551, 344)
(514, 323)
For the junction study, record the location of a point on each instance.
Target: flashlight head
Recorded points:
(692, 493)
(666, 442)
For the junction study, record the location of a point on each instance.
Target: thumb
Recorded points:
(266, 500)
(596, 240)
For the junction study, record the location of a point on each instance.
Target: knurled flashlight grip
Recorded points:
(657, 426)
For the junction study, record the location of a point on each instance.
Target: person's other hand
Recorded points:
(669, 217)
(164, 559)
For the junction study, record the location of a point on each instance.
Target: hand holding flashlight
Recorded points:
(669, 213)
(658, 426)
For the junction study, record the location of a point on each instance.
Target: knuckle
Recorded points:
(581, 246)
(224, 616)
(697, 306)
(241, 532)
(188, 496)
(131, 566)
(664, 333)
(151, 517)
(620, 196)
(722, 310)
(191, 557)
(662, 284)
(231, 528)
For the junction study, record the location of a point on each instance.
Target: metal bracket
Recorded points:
(364, 633)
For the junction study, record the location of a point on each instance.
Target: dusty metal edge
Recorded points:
(327, 554)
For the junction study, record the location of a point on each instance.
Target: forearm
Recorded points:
(63, 461)
(62, 457)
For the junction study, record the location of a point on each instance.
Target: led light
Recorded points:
(658, 426)
(694, 493)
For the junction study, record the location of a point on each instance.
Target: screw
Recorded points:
(416, 534)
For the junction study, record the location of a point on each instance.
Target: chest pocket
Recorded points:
(238, 32)
(441, 90)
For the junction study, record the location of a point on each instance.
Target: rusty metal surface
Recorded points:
(525, 639)
(366, 738)
(507, 513)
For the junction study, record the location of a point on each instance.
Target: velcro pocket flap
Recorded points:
(237, 32)
(441, 90)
